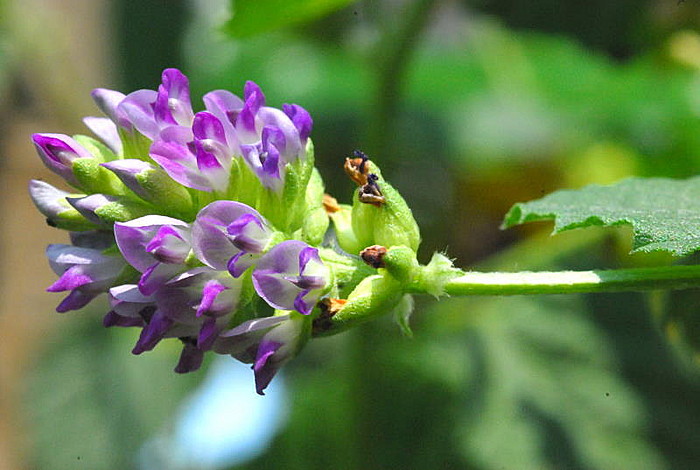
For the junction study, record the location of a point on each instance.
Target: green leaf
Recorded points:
(664, 213)
(251, 17)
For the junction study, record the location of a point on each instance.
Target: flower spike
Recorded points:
(209, 226)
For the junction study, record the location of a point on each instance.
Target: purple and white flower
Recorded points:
(268, 343)
(58, 152)
(173, 154)
(150, 111)
(128, 170)
(85, 272)
(195, 306)
(157, 246)
(229, 235)
(291, 276)
(200, 157)
(108, 101)
(267, 138)
(107, 131)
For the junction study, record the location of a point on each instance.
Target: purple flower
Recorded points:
(264, 159)
(107, 131)
(268, 343)
(228, 235)
(187, 280)
(194, 306)
(108, 101)
(95, 239)
(301, 119)
(172, 104)
(135, 111)
(266, 137)
(128, 170)
(198, 158)
(156, 246)
(152, 111)
(291, 276)
(226, 107)
(85, 272)
(58, 152)
(53, 204)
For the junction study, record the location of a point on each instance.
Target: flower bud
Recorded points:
(85, 272)
(153, 185)
(107, 101)
(107, 131)
(106, 210)
(59, 152)
(52, 203)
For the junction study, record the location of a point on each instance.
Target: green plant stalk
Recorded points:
(570, 282)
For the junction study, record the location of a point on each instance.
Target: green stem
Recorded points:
(570, 282)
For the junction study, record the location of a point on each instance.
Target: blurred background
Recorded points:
(469, 106)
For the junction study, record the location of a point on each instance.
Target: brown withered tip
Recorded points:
(328, 307)
(370, 192)
(357, 168)
(330, 204)
(374, 256)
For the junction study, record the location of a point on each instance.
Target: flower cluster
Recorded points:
(211, 226)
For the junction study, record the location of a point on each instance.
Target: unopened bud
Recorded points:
(106, 210)
(52, 203)
(153, 185)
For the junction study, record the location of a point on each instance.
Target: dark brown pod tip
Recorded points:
(370, 192)
(374, 256)
(329, 307)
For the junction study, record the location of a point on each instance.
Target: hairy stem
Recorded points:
(569, 282)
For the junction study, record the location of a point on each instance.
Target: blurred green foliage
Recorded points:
(486, 116)
(250, 17)
(93, 404)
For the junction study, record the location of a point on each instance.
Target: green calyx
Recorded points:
(287, 208)
(69, 218)
(316, 221)
(94, 178)
(162, 191)
(98, 150)
(135, 144)
(121, 210)
(433, 277)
